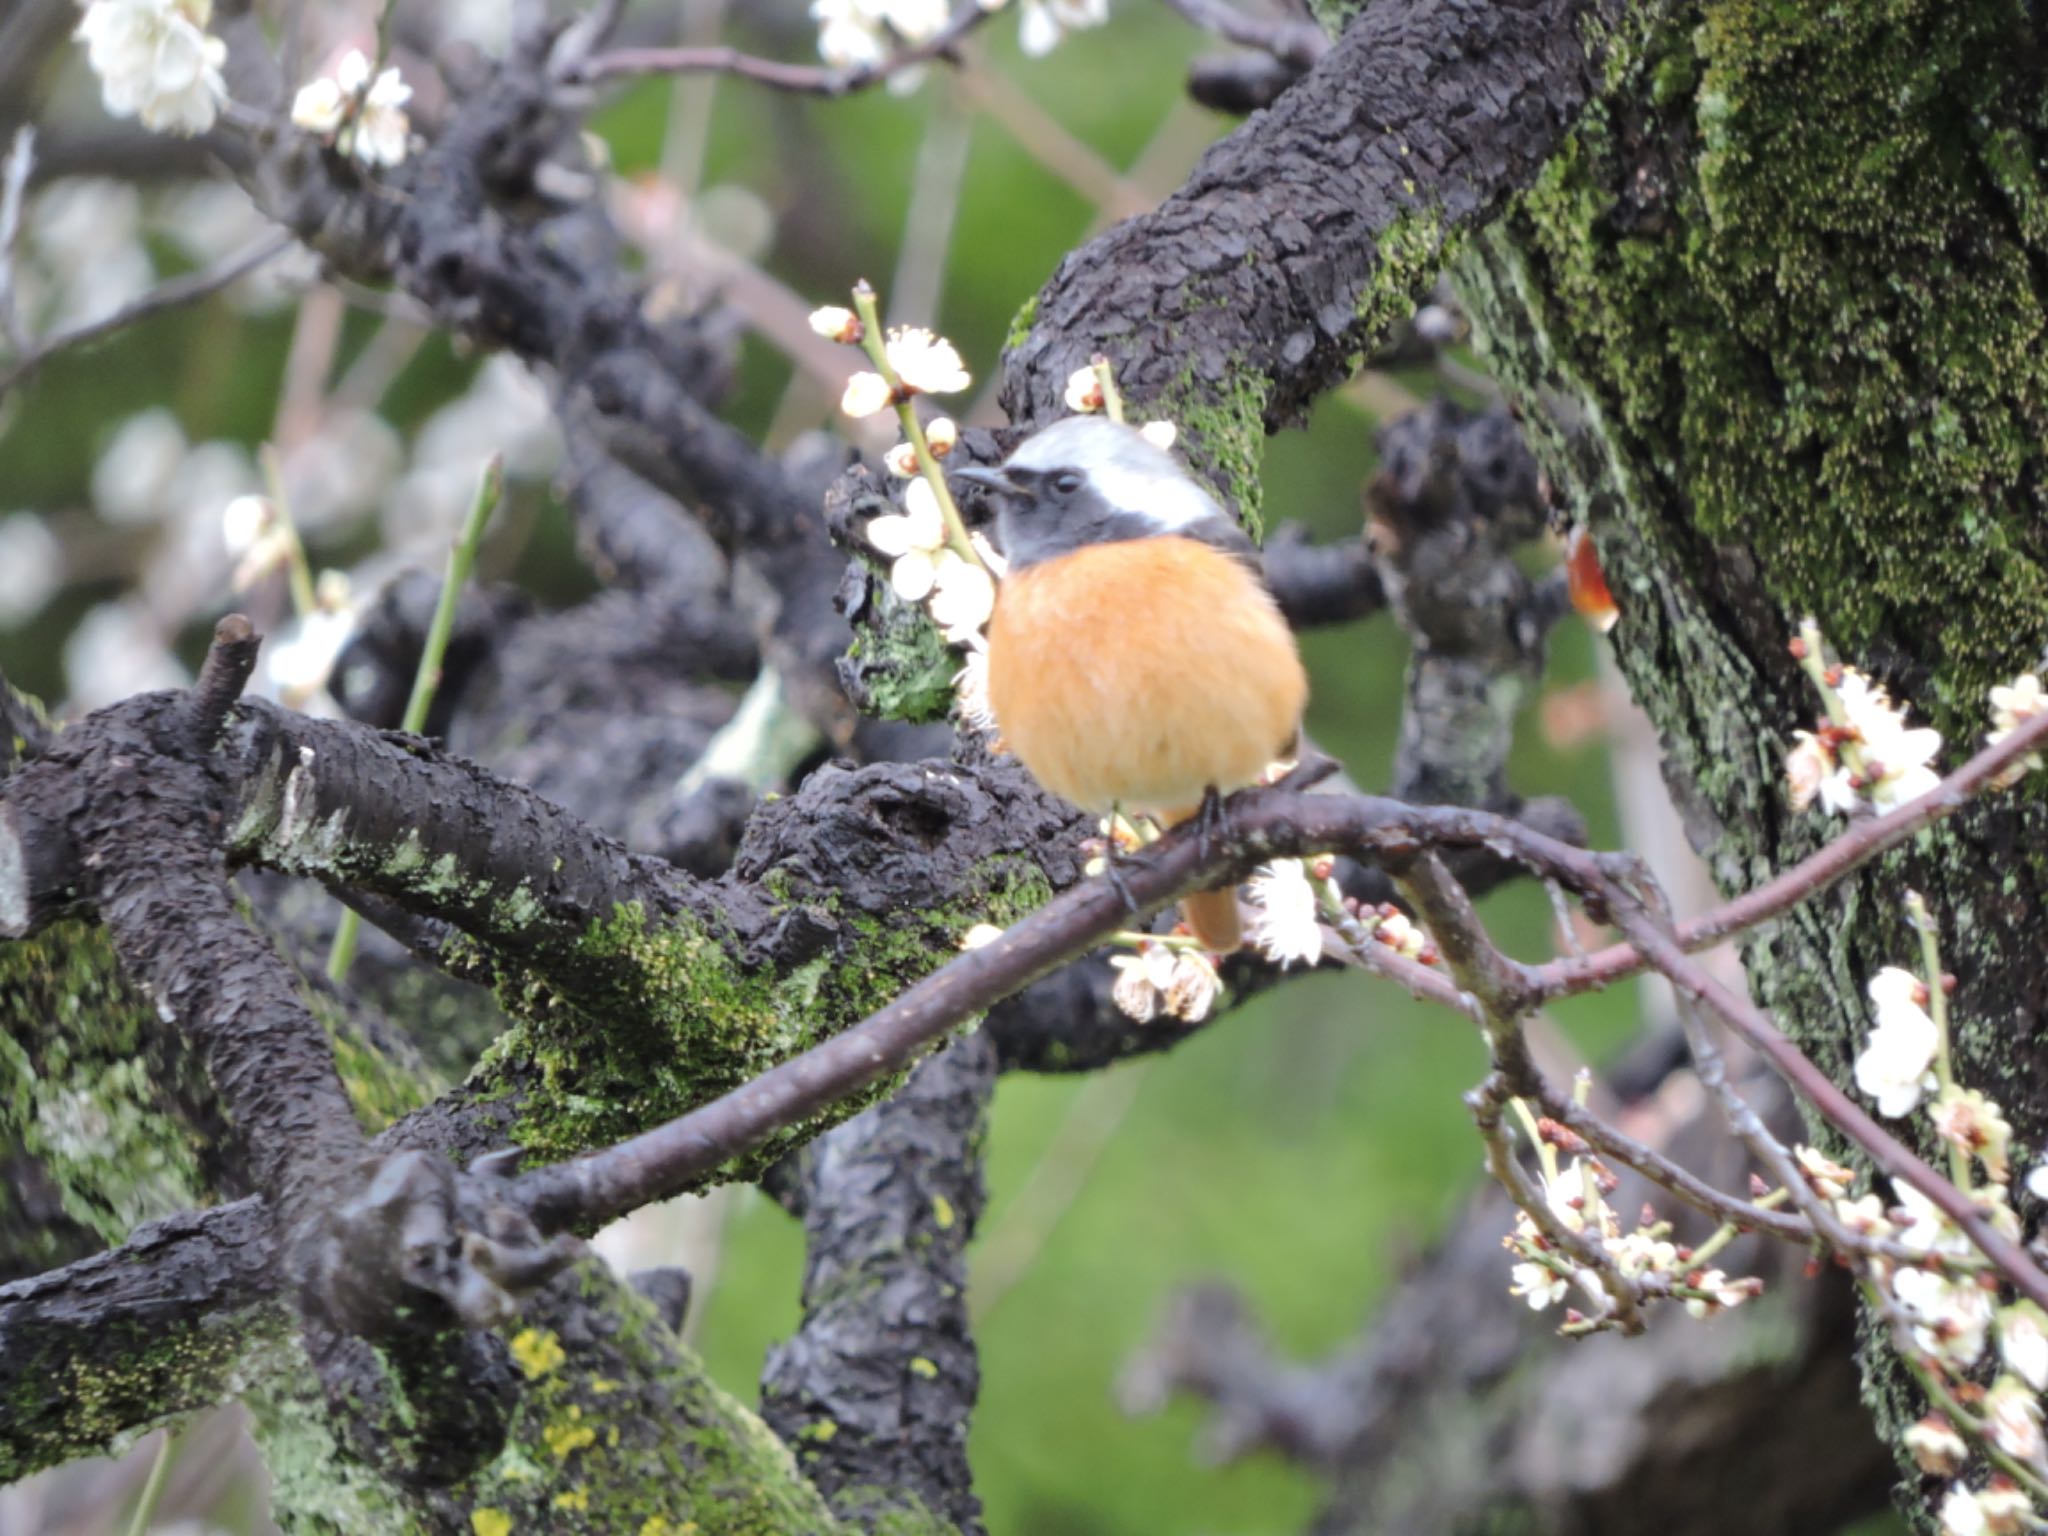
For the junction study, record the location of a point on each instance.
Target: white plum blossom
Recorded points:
(1951, 1318)
(1829, 1179)
(1924, 1227)
(963, 596)
(902, 460)
(1893, 1068)
(1160, 434)
(1961, 1515)
(1895, 755)
(1540, 1285)
(2012, 705)
(2005, 1507)
(1286, 923)
(941, 433)
(866, 393)
(1084, 390)
(836, 323)
(31, 567)
(927, 364)
(156, 61)
(1966, 1119)
(1807, 767)
(1935, 1446)
(2023, 1343)
(1142, 980)
(856, 34)
(2012, 1416)
(1722, 1293)
(912, 539)
(1045, 22)
(970, 689)
(365, 117)
(1191, 990)
(1865, 1215)
(980, 934)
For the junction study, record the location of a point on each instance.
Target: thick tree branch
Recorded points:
(1309, 231)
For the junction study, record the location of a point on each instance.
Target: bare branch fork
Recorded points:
(1265, 824)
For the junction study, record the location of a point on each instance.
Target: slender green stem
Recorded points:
(461, 559)
(1946, 1403)
(1112, 398)
(304, 601)
(872, 343)
(153, 1488)
(1937, 1010)
(1134, 940)
(1545, 1152)
(1727, 1232)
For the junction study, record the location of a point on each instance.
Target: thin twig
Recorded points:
(1660, 1170)
(802, 79)
(166, 296)
(13, 190)
(1486, 1102)
(1299, 43)
(1864, 841)
(1692, 981)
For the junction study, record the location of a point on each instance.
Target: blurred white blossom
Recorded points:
(156, 61)
(117, 650)
(31, 567)
(86, 235)
(365, 117)
(1045, 22)
(134, 471)
(1285, 926)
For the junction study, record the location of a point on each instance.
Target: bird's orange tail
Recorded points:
(1211, 917)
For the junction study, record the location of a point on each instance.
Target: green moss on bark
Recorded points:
(678, 1020)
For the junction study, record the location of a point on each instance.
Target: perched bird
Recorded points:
(1136, 658)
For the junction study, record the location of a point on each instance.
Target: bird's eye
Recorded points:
(1067, 481)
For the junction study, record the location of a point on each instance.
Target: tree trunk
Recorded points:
(1776, 318)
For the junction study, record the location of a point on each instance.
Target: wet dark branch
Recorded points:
(1320, 584)
(1453, 505)
(192, 1285)
(1311, 229)
(334, 801)
(890, 1200)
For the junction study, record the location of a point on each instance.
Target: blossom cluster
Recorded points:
(1575, 1198)
(864, 34)
(359, 110)
(156, 61)
(1092, 389)
(1864, 749)
(1169, 976)
(932, 557)
(1946, 1310)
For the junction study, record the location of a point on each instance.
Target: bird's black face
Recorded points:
(1087, 480)
(1044, 513)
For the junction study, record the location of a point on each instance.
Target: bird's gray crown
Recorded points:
(1089, 480)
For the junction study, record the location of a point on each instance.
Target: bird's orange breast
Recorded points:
(1142, 672)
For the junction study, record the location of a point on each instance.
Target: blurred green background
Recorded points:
(1302, 1148)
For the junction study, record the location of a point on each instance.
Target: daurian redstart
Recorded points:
(1136, 658)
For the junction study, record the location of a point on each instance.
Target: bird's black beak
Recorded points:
(985, 479)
